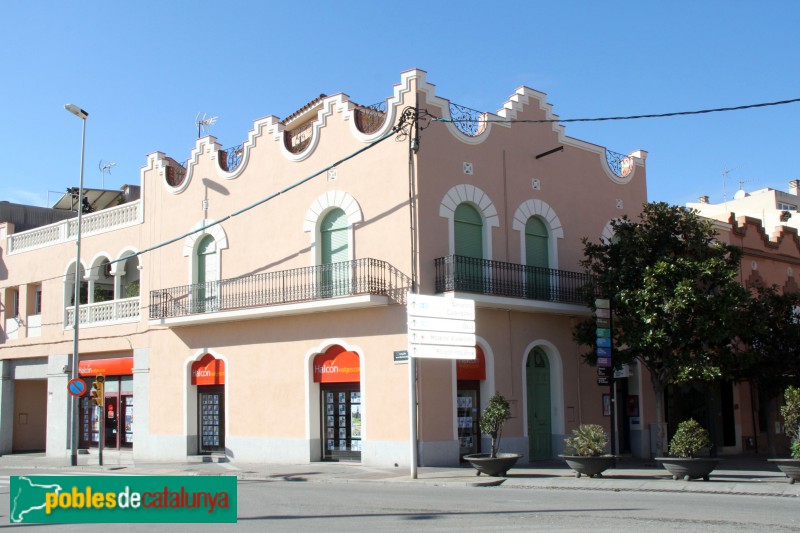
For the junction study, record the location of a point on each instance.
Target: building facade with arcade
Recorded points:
(251, 302)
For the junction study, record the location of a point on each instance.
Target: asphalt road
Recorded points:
(299, 506)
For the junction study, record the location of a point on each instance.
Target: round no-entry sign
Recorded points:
(76, 387)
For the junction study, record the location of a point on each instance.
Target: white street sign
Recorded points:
(441, 337)
(441, 324)
(441, 352)
(440, 307)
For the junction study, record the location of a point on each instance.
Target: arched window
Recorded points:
(334, 254)
(537, 258)
(468, 228)
(207, 275)
(468, 237)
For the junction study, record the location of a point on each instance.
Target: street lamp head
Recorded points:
(77, 111)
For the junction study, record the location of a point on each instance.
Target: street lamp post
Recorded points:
(73, 372)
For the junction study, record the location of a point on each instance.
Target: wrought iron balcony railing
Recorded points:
(468, 274)
(348, 278)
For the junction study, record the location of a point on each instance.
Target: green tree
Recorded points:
(675, 300)
(771, 359)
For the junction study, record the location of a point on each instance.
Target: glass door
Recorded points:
(111, 422)
(211, 403)
(467, 413)
(341, 423)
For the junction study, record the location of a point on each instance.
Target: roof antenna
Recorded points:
(204, 123)
(105, 167)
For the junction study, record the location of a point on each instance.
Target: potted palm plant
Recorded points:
(688, 441)
(586, 451)
(491, 422)
(790, 412)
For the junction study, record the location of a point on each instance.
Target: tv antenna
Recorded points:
(204, 124)
(105, 167)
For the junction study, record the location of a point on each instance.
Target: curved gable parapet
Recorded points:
(742, 225)
(207, 144)
(260, 128)
(200, 230)
(328, 201)
(539, 208)
(445, 111)
(469, 193)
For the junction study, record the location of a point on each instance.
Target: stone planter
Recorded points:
(589, 465)
(484, 463)
(790, 467)
(689, 467)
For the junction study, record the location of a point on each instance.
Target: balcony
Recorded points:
(110, 219)
(512, 286)
(346, 285)
(104, 313)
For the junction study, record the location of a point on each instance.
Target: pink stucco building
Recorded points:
(266, 328)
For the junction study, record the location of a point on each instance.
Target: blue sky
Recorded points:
(144, 70)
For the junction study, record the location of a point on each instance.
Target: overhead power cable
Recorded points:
(628, 117)
(374, 143)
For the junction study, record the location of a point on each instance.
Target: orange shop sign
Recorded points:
(337, 366)
(120, 366)
(472, 369)
(208, 371)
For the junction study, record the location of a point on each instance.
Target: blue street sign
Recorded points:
(76, 387)
(603, 352)
(604, 342)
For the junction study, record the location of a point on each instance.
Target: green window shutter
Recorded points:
(536, 245)
(334, 235)
(468, 228)
(205, 252)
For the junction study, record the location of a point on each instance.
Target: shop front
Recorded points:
(113, 422)
(469, 374)
(338, 373)
(208, 374)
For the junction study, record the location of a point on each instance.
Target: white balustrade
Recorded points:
(105, 313)
(34, 325)
(110, 219)
(12, 328)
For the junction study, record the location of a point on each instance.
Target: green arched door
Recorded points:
(537, 372)
(468, 237)
(334, 254)
(537, 259)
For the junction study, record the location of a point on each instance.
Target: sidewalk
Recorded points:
(735, 475)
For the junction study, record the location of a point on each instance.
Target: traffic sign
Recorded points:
(603, 332)
(441, 324)
(76, 387)
(441, 337)
(441, 307)
(603, 352)
(604, 342)
(602, 303)
(604, 361)
(603, 313)
(441, 352)
(603, 322)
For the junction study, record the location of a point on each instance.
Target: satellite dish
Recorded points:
(204, 124)
(105, 167)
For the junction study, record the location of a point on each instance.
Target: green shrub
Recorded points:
(790, 411)
(587, 440)
(690, 438)
(493, 418)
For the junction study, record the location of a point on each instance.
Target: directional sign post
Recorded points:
(605, 359)
(441, 328)
(76, 387)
